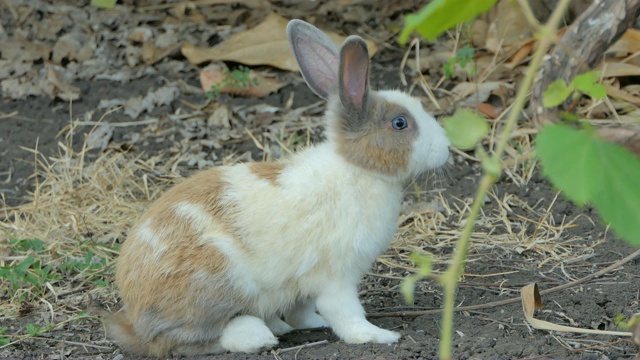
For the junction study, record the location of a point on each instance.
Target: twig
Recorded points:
(299, 347)
(494, 304)
(117, 124)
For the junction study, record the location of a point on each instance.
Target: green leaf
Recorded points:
(104, 4)
(440, 15)
(25, 265)
(589, 169)
(587, 83)
(407, 288)
(28, 244)
(556, 93)
(34, 330)
(423, 261)
(465, 128)
(465, 55)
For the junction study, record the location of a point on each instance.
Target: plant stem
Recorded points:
(449, 279)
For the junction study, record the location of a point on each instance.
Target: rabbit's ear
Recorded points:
(317, 56)
(354, 75)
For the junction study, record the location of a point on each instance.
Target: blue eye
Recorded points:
(399, 123)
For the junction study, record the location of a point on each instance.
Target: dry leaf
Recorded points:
(58, 87)
(140, 34)
(531, 300)
(218, 76)
(219, 118)
(617, 69)
(265, 44)
(525, 49)
(18, 88)
(100, 137)
(629, 43)
(622, 95)
(74, 46)
(508, 27)
(135, 106)
(474, 93)
(489, 110)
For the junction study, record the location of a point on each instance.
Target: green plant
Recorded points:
(441, 15)
(30, 270)
(462, 58)
(424, 269)
(37, 330)
(587, 83)
(238, 79)
(4, 339)
(104, 4)
(585, 167)
(90, 266)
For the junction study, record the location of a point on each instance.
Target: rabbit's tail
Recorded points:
(120, 330)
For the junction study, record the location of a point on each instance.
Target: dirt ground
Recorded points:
(528, 233)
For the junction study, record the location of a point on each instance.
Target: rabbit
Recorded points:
(234, 256)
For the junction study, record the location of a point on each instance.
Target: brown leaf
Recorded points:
(531, 300)
(265, 44)
(58, 87)
(617, 69)
(508, 27)
(216, 76)
(629, 43)
(487, 109)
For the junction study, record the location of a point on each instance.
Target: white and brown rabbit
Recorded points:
(234, 256)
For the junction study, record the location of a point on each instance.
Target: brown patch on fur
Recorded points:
(269, 171)
(165, 284)
(377, 146)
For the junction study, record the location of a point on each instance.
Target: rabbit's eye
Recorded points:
(399, 123)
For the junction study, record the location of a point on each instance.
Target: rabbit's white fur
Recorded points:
(218, 260)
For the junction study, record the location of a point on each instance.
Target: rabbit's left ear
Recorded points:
(353, 78)
(317, 56)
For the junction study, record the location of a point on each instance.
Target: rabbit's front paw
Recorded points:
(247, 334)
(368, 333)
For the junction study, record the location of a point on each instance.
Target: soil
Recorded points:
(494, 273)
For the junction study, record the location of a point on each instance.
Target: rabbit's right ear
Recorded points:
(317, 56)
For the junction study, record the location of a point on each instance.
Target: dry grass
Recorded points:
(68, 236)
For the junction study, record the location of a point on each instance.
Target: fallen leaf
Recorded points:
(20, 87)
(73, 46)
(618, 69)
(508, 28)
(58, 87)
(489, 110)
(531, 301)
(219, 118)
(474, 93)
(100, 137)
(264, 44)
(140, 34)
(257, 85)
(135, 106)
(629, 43)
